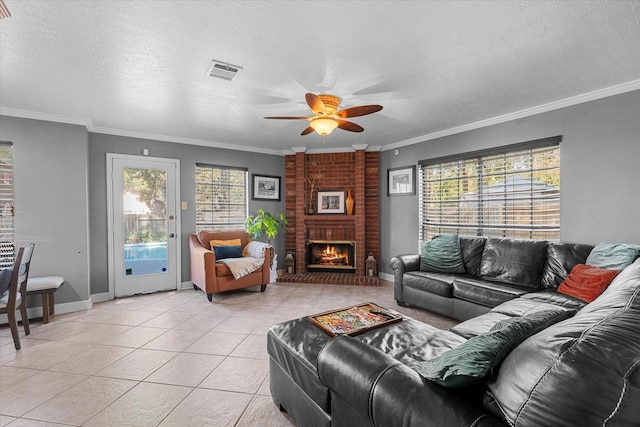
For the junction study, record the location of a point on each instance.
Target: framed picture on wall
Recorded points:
(330, 202)
(265, 187)
(401, 181)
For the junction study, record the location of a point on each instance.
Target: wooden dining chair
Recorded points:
(14, 299)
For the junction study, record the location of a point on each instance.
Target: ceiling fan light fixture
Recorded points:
(327, 117)
(324, 125)
(4, 11)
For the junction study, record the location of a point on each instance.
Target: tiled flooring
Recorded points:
(167, 359)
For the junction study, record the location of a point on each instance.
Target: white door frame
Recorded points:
(110, 215)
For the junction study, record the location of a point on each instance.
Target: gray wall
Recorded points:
(189, 155)
(61, 189)
(600, 165)
(51, 200)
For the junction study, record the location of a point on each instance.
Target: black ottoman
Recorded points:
(293, 348)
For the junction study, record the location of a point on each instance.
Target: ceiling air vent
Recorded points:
(223, 70)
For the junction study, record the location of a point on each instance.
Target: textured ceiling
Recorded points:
(139, 67)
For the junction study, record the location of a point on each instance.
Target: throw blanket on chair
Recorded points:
(252, 259)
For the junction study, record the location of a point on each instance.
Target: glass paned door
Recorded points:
(145, 221)
(144, 250)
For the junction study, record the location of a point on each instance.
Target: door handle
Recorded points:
(172, 235)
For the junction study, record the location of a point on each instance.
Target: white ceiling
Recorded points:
(138, 68)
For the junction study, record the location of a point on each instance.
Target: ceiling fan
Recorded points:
(327, 117)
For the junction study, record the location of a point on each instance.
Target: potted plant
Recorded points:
(269, 225)
(265, 223)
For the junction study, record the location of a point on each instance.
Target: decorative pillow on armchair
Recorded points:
(232, 242)
(586, 282)
(442, 254)
(223, 252)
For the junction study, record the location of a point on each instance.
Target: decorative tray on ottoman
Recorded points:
(354, 320)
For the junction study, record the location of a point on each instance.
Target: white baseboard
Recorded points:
(67, 307)
(386, 276)
(101, 297)
(70, 307)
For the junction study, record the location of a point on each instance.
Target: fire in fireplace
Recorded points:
(330, 255)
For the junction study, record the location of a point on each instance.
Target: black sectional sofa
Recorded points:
(582, 370)
(495, 270)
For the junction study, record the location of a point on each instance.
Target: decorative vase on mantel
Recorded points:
(349, 202)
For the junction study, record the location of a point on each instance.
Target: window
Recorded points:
(221, 197)
(7, 230)
(512, 192)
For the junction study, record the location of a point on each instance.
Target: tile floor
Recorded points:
(164, 359)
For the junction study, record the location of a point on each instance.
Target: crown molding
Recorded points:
(543, 108)
(88, 123)
(180, 140)
(47, 117)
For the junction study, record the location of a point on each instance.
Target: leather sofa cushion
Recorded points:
(514, 261)
(478, 325)
(561, 258)
(523, 306)
(472, 248)
(435, 283)
(516, 307)
(489, 294)
(551, 296)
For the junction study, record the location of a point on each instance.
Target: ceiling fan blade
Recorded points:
(307, 131)
(362, 110)
(351, 127)
(315, 103)
(286, 118)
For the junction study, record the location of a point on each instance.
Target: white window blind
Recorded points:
(7, 231)
(221, 197)
(509, 192)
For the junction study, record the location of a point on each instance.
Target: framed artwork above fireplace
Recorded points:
(330, 201)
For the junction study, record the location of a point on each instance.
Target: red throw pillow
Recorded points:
(586, 282)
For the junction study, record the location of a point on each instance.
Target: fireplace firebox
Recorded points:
(331, 256)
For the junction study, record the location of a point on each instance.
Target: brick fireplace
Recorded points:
(357, 171)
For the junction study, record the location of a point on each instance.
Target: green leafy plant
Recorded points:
(265, 223)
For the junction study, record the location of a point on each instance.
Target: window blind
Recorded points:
(221, 197)
(7, 230)
(509, 192)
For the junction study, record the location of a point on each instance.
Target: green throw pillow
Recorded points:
(613, 256)
(442, 255)
(473, 360)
